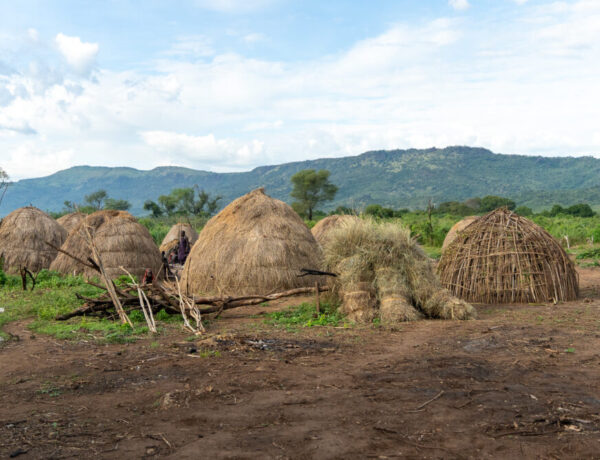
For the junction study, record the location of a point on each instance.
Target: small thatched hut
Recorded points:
(121, 241)
(505, 258)
(456, 229)
(171, 239)
(256, 245)
(70, 221)
(382, 272)
(324, 227)
(23, 236)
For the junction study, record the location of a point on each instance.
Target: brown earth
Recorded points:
(520, 381)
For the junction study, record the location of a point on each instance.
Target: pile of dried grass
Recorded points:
(256, 245)
(456, 229)
(171, 239)
(121, 242)
(383, 272)
(70, 221)
(23, 236)
(505, 258)
(324, 227)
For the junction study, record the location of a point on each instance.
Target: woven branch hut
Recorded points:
(70, 221)
(171, 239)
(23, 236)
(324, 227)
(383, 273)
(256, 245)
(506, 258)
(456, 229)
(121, 241)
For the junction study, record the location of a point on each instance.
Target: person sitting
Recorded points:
(184, 248)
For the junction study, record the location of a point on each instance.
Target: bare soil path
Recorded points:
(520, 381)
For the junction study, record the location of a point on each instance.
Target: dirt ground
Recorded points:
(520, 381)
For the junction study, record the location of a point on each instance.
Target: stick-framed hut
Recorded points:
(255, 245)
(506, 258)
(23, 236)
(121, 241)
(456, 229)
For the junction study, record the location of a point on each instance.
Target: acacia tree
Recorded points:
(4, 181)
(183, 201)
(310, 189)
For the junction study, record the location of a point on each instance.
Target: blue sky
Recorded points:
(228, 85)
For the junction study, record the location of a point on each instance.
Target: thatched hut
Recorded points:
(384, 273)
(324, 227)
(23, 236)
(171, 239)
(456, 229)
(70, 221)
(121, 241)
(506, 258)
(256, 245)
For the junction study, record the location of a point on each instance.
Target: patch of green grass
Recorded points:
(304, 315)
(55, 294)
(209, 353)
(49, 389)
(570, 350)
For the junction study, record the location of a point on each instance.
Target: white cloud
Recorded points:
(254, 37)
(203, 150)
(459, 4)
(81, 56)
(529, 88)
(234, 6)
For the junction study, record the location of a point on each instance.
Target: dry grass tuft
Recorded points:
(175, 233)
(23, 236)
(506, 258)
(324, 227)
(70, 221)
(121, 241)
(256, 245)
(383, 262)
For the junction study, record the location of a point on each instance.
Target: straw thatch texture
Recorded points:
(505, 258)
(325, 226)
(456, 229)
(175, 233)
(23, 236)
(256, 245)
(70, 221)
(384, 268)
(121, 241)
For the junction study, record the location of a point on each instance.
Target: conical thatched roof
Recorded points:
(505, 258)
(121, 241)
(174, 235)
(23, 236)
(322, 230)
(457, 228)
(256, 245)
(70, 221)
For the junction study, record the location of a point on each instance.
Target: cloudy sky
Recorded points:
(227, 85)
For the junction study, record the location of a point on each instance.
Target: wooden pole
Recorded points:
(317, 298)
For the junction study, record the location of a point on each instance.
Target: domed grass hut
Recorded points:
(256, 245)
(121, 241)
(383, 273)
(324, 227)
(23, 236)
(171, 239)
(506, 258)
(456, 229)
(70, 221)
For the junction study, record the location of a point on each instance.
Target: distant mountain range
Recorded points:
(395, 178)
